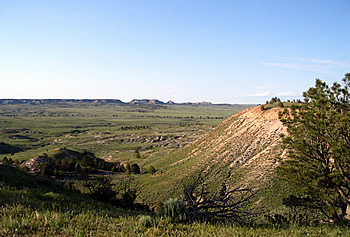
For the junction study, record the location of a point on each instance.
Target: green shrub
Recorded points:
(69, 185)
(138, 155)
(5, 161)
(100, 188)
(135, 169)
(176, 210)
(151, 169)
(45, 169)
(145, 221)
(159, 206)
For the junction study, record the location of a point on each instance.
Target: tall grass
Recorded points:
(32, 206)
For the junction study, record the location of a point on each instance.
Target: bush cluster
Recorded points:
(176, 210)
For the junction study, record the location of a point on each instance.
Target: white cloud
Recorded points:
(307, 64)
(3, 93)
(301, 67)
(329, 62)
(287, 94)
(269, 94)
(263, 94)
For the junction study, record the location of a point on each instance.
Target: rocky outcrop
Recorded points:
(146, 102)
(248, 143)
(35, 163)
(243, 150)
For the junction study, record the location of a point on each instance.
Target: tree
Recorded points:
(138, 155)
(227, 203)
(275, 100)
(5, 161)
(45, 169)
(151, 169)
(100, 188)
(319, 148)
(86, 161)
(135, 169)
(127, 167)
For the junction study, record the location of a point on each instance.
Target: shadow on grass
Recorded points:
(41, 193)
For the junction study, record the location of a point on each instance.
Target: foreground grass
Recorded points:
(35, 206)
(38, 206)
(200, 229)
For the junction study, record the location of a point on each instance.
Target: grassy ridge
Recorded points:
(34, 206)
(37, 206)
(239, 152)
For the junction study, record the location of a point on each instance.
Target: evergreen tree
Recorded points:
(138, 155)
(127, 166)
(151, 169)
(135, 169)
(78, 169)
(319, 148)
(86, 161)
(5, 161)
(56, 171)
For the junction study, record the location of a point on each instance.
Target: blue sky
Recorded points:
(181, 50)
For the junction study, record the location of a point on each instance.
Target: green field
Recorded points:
(149, 135)
(141, 134)
(35, 206)
(112, 132)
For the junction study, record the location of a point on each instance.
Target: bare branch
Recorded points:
(227, 203)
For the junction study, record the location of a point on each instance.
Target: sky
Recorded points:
(234, 51)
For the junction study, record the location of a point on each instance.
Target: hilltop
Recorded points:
(100, 102)
(242, 150)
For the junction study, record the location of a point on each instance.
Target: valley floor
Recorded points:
(40, 206)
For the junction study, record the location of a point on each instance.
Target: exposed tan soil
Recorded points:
(247, 143)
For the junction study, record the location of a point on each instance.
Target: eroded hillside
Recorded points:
(242, 150)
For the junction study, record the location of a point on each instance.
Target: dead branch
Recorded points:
(227, 203)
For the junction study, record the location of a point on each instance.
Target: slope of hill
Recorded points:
(242, 150)
(37, 206)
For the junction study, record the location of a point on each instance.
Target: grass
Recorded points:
(41, 128)
(100, 129)
(37, 206)
(34, 206)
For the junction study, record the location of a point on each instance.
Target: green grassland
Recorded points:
(111, 131)
(37, 206)
(161, 134)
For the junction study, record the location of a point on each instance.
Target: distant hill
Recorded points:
(146, 101)
(58, 101)
(99, 102)
(61, 153)
(242, 150)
